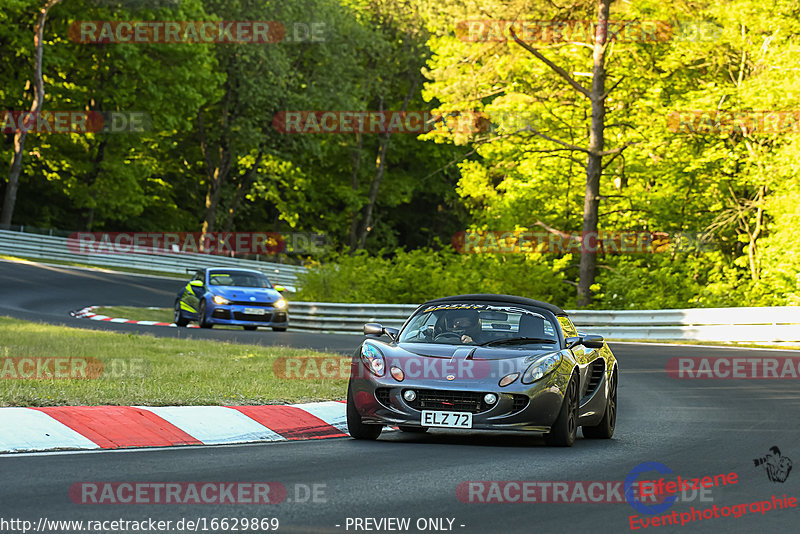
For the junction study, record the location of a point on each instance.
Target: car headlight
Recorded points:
(280, 304)
(373, 359)
(541, 367)
(221, 300)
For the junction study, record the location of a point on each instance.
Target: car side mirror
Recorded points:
(279, 289)
(376, 329)
(196, 283)
(590, 341)
(593, 341)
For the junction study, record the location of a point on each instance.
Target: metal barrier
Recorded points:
(766, 325)
(55, 248)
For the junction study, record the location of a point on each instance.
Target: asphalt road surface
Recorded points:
(696, 428)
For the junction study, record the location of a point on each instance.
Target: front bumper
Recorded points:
(520, 407)
(234, 314)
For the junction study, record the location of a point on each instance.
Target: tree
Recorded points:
(10, 197)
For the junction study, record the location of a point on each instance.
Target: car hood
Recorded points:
(251, 294)
(435, 363)
(437, 350)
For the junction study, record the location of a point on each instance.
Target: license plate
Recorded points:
(255, 311)
(447, 419)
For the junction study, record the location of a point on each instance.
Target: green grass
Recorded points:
(167, 371)
(161, 315)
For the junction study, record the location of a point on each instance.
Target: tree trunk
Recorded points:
(215, 173)
(594, 161)
(241, 191)
(373, 190)
(10, 198)
(353, 237)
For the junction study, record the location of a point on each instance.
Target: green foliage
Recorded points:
(419, 275)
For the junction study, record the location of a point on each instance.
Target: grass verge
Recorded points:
(150, 371)
(133, 313)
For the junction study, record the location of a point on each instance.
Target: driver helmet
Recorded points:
(462, 321)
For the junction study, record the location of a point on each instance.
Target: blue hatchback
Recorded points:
(238, 297)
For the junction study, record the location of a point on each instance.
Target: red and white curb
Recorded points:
(115, 427)
(88, 313)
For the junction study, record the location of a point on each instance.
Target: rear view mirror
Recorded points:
(590, 341)
(593, 341)
(373, 329)
(278, 288)
(196, 283)
(376, 329)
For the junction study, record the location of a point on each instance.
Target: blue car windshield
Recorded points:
(480, 324)
(238, 279)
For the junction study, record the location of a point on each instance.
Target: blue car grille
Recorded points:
(241, 316)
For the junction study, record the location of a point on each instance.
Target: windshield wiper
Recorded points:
(517, 340)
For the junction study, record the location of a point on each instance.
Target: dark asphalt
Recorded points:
(695, 427)
(37, 292)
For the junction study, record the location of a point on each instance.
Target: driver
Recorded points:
(464, 323)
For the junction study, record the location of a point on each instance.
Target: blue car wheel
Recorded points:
(201, 315)
(178, 318)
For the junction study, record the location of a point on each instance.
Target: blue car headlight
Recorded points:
(541, 367)
(373, 359)
(221, 300)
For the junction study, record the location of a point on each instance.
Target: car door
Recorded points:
(194, 291)
(583, 355)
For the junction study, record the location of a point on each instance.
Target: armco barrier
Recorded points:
(766, 325)
(47, 247)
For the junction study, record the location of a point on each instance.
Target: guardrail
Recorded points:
(47, 247)
(764, 325)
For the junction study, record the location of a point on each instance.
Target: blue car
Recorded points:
(239, 297)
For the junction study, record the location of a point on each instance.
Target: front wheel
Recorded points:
(565, 429)
(279, 329)
(201, 316)
(178, 317)
(355, 427)
(605, 429)
(249, 327)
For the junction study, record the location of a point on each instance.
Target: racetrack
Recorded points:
(695, 427)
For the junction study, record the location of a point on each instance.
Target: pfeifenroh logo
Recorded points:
(778, 467)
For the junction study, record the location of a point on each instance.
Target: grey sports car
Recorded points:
(484, 362)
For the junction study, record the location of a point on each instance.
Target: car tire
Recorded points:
(249, 327)
(201, 316)
(565, 429)
(413, 429)
(355, 427)
(178, 317)
(279, 328)
(605, 429)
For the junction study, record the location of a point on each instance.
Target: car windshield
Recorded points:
(238, 279)
(480, 324)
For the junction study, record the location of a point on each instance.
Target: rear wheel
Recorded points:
(201, 316)
(355, 427)
(605, 429)
(279, 328)
(565, 429)
(178, 317)
(413, 429)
